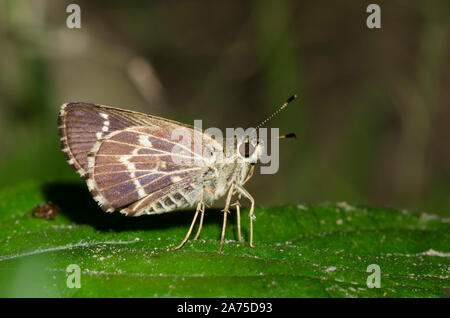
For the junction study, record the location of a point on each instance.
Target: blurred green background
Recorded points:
(373, 115)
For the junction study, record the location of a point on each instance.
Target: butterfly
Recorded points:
(132, 162)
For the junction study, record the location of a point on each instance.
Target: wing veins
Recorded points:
(164, 174)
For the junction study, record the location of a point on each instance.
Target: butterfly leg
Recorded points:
(250, 174)
(252, 208)
(238, 205)
(191, 227)
(202, 213)
(225, 211)
(238, 217)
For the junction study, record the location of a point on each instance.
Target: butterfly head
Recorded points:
(250, 149)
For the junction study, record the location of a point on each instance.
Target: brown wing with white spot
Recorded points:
(131, 160)
(81, 125)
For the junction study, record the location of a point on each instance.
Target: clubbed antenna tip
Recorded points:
(290, 135)
(290, 99)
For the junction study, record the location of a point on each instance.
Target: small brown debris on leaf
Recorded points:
(46, 211)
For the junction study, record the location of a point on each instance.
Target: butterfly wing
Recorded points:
(132, 161)
(82, 124)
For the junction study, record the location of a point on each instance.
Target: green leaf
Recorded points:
(301, 251)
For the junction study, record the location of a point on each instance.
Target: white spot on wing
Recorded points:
(141, 191)
(131, 168)
(175, 179)
(105, 127)
(143, 140)
(92, 186)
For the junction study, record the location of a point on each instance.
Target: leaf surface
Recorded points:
(301, 251)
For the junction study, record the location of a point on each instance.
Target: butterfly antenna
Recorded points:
(290, 99)
(290, 135)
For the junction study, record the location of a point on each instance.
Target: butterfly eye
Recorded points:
(246, 149)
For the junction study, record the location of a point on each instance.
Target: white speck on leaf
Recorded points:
(330, 269)
(432, 252)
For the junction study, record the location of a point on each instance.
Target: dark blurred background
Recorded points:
(373, 115)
